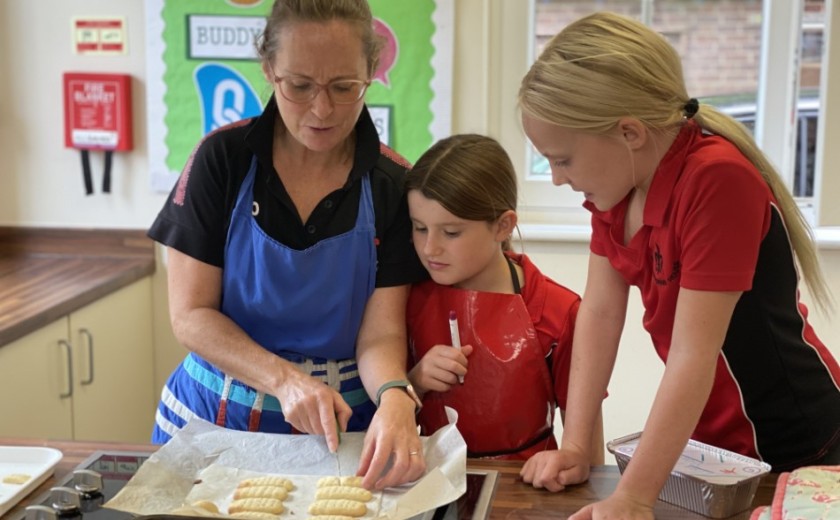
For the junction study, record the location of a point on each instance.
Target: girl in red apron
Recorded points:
(515, 324)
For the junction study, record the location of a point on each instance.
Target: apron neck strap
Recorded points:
(514, 277)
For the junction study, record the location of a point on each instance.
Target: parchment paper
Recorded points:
(205, 462)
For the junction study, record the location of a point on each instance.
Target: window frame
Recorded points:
(506, 58)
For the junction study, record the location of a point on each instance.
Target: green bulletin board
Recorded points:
(203, 73)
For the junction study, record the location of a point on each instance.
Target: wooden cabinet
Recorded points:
(86, 376)
(33, 375)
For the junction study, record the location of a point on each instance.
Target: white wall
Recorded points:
(40, 181)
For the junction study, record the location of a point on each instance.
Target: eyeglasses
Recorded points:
(302, 90)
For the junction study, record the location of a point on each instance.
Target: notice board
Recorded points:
(203, 72)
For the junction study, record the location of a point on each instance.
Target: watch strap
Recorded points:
(398, 383)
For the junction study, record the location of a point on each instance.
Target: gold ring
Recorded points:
(413, 453)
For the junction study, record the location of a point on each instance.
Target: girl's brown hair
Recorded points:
(470, 175)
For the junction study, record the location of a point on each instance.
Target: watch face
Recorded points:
(413, 394)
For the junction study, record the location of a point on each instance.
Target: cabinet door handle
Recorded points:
(69, 349)
(89, 336)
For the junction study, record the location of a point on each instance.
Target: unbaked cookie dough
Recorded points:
(17, 479)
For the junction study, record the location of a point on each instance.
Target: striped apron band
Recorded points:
(240, 394)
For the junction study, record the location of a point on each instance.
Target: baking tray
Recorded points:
(475, 504)
(37, 462)
(707, 480)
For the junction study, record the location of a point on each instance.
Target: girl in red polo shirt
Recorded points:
(686, 208)
(516, 324)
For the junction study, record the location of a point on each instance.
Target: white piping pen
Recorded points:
(456, 336)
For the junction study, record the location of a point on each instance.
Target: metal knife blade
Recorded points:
(338, 447)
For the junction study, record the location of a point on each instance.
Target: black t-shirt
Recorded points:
(196, 216)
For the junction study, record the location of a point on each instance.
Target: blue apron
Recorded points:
(303, 305)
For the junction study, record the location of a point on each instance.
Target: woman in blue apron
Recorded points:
(289, 256)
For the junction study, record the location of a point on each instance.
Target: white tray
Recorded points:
(39, 463)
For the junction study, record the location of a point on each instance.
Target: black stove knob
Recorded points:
(92, 502)
(87, 482)
(66, 501)
(40, 513)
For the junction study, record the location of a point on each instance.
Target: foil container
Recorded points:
(707, 480)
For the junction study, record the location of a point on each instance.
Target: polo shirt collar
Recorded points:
(667, 174)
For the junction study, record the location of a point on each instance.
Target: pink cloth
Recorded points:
(809, 493)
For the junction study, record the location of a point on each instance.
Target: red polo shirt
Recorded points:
(711, 223)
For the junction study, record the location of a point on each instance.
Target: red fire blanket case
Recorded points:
(97, 116)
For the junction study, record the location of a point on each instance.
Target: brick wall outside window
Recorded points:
(718, 40)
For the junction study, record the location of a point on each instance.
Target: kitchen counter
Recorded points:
(513, 498)
(517, 500)
(48, 273)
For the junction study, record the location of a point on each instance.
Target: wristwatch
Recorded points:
(399, 383)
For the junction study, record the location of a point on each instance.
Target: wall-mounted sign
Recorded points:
(381, 115)
(99, 35)
(224, 37)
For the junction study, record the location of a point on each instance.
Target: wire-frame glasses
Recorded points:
(298, 89)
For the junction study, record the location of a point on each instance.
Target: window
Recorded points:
(805, 147)
(720, 42)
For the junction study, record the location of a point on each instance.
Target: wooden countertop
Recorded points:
(513, 498)
(47, 273)
(517, 500)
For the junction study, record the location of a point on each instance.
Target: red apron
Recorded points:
(506, 404)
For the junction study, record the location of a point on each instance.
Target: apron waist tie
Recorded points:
(221, 415)
(256, 412)
(332, 371)
(333, 379)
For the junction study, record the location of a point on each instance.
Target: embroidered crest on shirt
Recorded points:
(659, 275)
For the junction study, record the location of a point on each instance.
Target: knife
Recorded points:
(337, 458)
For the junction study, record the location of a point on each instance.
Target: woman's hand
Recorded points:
(556, 469)
(393, 452)
(311, 406)
(440, 368)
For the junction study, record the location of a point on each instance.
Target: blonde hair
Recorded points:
(606, 66)
(287, 12)
(470, 175)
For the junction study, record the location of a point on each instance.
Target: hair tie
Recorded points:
(691, 108)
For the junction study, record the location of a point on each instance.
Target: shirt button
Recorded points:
(310, 229)
(328, 204)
